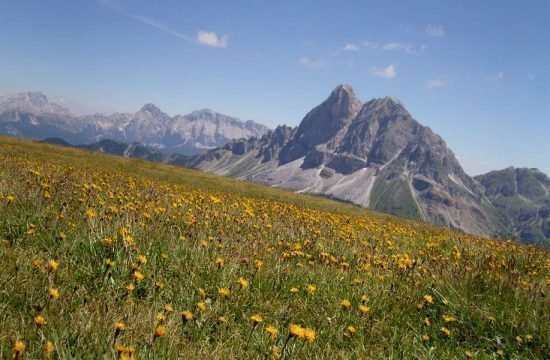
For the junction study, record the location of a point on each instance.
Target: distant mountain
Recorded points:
(375, 155)
(31, 115)
(523, 197)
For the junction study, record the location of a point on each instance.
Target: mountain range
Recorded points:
(31, 115)
(374, 154)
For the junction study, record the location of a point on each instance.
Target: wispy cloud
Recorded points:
(313, 63)
(351, 47)
(409, 48)
(159, 26)
(384, 72)
(495, 77)
(435, 30)
(212, 39)
(203, 37)
(434, 83)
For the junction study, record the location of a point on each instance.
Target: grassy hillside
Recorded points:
(103, 256)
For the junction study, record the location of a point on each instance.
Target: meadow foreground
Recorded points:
(103, 256)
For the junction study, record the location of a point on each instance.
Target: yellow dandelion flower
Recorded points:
(428, 299)
(364, 299)
(168, 308)
(120, 326)
(223, 320)
(448, 318)
(346, 304)
(258, 264)
(294, 290)
(311, 289)
(243, 283)
(130, 287)
(36, 263)
(445, 331)
(18, 348)
(272, 332)
(351, 329)
(161, 317)
(309, 334)
(142, 259)
(52, 265)
(224, 292)
(201, 306)
(528, 338)
(427, 321)
(138, 276)
(296, 331)
(256, 319)
(107, 242)
(39, 320)
(91, 213)
(425, 337)
(160, 330)
(54, 293)
(48, 347)
(364, 309)
(186, 315)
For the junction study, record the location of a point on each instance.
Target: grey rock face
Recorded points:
(376, 155)
(31, 115)
(326, 124)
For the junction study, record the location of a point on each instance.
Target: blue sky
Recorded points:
(476, 72)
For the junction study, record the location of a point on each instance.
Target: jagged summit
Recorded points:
(151, 108)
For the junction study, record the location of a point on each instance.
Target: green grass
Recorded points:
(62, 204)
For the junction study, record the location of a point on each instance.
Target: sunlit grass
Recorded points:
(106, 256)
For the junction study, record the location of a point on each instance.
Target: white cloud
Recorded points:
(386, 73)
(495, 77)
(435, 30)
(405, 47)
(212, 39)
(370, 45)
(434, 83)
(351, 47)
(313, 63)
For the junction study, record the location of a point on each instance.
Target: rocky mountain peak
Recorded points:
(151, 108)
(36, 98)
(325, 124)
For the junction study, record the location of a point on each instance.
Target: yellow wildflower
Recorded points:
(272, 332)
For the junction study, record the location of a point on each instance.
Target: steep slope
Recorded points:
(31, 115)
(522, 195)
(373, 154)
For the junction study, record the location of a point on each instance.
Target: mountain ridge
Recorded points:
(33, 116)
(374, 154)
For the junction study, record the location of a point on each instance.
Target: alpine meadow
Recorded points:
(274, 180)
(106, 256)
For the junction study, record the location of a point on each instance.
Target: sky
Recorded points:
(475, 72)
